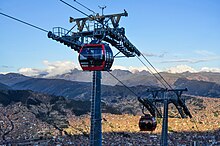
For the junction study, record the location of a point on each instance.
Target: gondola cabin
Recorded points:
(147, 123)
(96, 57)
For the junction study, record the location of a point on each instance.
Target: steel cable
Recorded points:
(39, 28)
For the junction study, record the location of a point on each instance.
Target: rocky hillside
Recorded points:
(139, 77)
(199, 88)
(58, 87)
(77, 83)
(82, 90)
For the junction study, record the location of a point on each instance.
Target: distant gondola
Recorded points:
(96, 57)
(147, 123)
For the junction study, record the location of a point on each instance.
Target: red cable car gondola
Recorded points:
(96, 57)
(147, 123)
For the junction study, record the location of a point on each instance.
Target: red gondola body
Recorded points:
(95, 57)
(147, 123)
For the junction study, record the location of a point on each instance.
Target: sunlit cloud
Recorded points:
(29, 71)
(59, 67)
(119, 67)
(208, 69)
(180, 69)
(186, 68)
(62, 67)
(135, 69)
(51, 69)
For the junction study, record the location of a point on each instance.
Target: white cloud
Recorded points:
(61, 67)
(208, 69)
(180, 69)
(52, 68)
(58, 67)
(133, 69)
(119, 67)
(185, 68)
(29, 71)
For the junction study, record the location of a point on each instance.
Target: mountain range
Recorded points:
(138, 77)
(114, 95)
(77, 84)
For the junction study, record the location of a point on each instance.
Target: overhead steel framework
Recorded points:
(104, 28)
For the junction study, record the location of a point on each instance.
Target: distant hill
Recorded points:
(12, 78)
(138, 77)
(77, 84)
(85, 76)
(58, 87)
(75, 90)
(129, 78)
(200, 76)
(199, 88)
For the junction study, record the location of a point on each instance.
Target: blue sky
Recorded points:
(174, 34)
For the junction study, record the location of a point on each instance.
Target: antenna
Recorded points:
(102, 7)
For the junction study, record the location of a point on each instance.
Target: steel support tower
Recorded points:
(165, 97)
(96, 118)
(164, 133)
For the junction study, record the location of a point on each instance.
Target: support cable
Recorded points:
(152, 72)
(123, 84)
(85, 7)
(156, 71)
(39, 28)
(75, 8)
